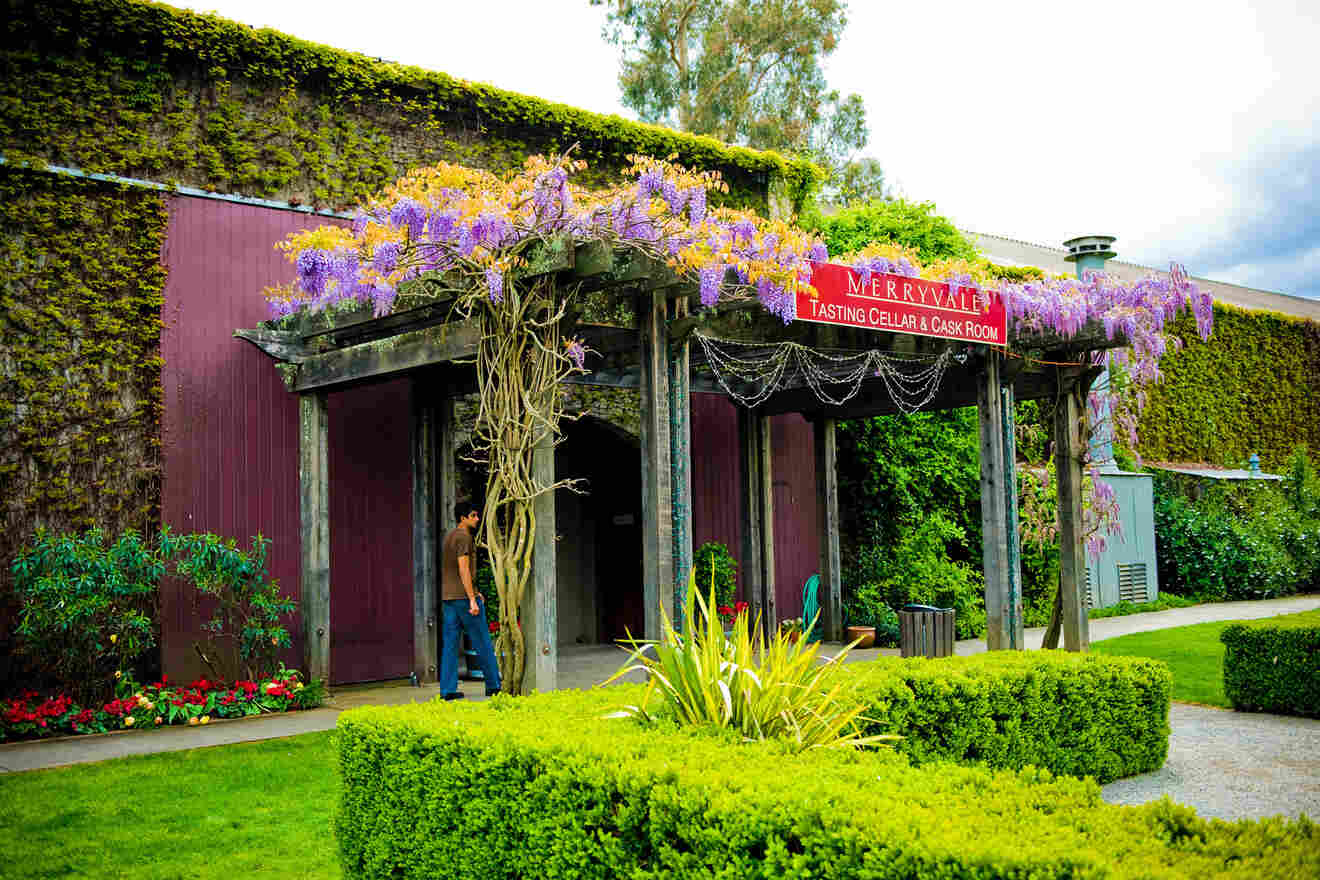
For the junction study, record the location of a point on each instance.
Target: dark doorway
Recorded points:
(599, 567)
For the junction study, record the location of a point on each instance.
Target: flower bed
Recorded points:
(160, 704)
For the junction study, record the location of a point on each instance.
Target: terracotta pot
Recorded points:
(865, 633)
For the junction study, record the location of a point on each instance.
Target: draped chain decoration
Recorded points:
(750, 372)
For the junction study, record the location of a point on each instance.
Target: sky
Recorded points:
(1189, 130)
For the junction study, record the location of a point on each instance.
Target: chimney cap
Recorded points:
(1101, 246)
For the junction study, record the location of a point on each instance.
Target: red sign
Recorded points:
(898, 304)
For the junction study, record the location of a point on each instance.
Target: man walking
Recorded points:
(464, 609)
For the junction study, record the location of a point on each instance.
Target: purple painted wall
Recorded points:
(230, 440)
(716, 511)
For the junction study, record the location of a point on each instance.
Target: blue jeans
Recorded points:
(456, 619)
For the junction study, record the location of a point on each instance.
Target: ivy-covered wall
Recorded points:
(1254, 387)
(80, 302)
(143, 90)
(146, 90)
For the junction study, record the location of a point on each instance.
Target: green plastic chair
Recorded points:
(811, 609)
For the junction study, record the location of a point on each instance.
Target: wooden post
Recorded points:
(540, 607)
(314, 477)
(446, 470)
(830, 591)
(657, 495)
(424, 525)
(1072, 551)
(749, 446)
(994, 518)
(1013, 625)
(770, 614)
(680, 452)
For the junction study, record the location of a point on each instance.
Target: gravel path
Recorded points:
(1233, 765)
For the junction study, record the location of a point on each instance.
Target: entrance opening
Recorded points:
(599, 554)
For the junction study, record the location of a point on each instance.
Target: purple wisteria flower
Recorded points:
(818, 253)
(710, 278)
(313, 267)
(409, 214)
(576, 352)
(386, 257)
(495, 284)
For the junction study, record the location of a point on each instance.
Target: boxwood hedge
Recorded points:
(548, 786)
(1073, 714)
(1273, 665)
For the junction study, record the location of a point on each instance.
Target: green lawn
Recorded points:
(1194, 653)
(250, 810)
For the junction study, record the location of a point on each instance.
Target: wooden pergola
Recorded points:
(318, 354)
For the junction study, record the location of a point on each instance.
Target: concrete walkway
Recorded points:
(1206, 747)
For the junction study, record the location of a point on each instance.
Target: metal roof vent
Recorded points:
(1100, 247)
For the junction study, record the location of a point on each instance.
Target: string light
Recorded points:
(749, 372)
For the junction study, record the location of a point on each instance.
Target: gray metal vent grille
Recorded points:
(1132, 583)
(1090, 591)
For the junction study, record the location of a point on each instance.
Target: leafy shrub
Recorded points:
(1074, 714)
(757, 688)
(714, 564)
(1124, 608)
(1205, 548)
(88, 608)
(1274, 665)
(918, 569)
(546, 786)
(246, 632)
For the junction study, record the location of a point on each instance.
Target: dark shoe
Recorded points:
(492, 693)
(456, 695)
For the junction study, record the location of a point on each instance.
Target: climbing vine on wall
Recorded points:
(144, 90)
(1253, 387)
(80, 297)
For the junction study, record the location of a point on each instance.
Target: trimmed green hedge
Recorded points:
(1073, 714)
(1273, 665)
(1253, 387)
(546, 786)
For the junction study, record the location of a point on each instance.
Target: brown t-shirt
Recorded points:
(457, 543)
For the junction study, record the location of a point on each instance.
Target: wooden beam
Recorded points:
(770, 617)
(993, 514)
(749, 474)
(830, 591)
(1069, 447)
(314, 510)
(383, 358)
(657, 494)
(279, 344)
(680, 456)
(540, 607)
(424, 526)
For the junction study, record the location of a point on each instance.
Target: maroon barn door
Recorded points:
(371, 626)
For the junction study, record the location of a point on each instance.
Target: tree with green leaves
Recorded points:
(912, 224)
(744, 71)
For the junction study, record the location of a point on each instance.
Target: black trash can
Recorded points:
(925, 631)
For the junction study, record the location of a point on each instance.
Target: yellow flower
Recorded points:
(129, 721)
(298, 686)
(113, 638)
(206, 719)
(192, 722)
(159, 719)
(119, 674)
